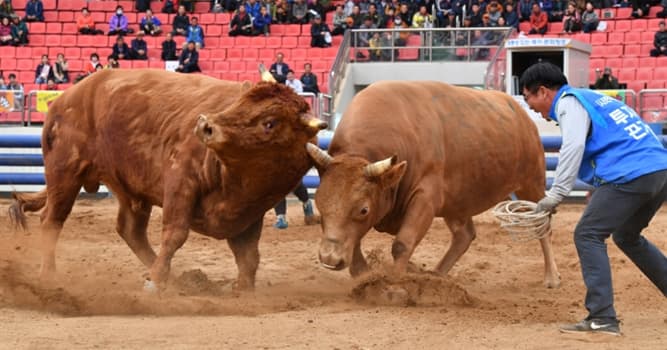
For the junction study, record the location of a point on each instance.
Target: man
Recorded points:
(538, 20)
(139, 47)
(660, 41)
(151, 24)
(189, 60)
(607, 81)
(15, 86)
(293, 82)
(318, 33)
(607, 145)
(169, 48)
(279, 68)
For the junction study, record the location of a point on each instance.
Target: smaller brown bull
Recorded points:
(407, 152)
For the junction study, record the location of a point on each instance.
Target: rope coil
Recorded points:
(521, 221)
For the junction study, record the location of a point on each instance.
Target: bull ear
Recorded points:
(393, 176)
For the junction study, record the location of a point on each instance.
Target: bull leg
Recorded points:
(358, 264)
(418, 219)
(463, 233)
(245, 247)
(131, 226)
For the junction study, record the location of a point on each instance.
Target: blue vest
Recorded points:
(620, 146)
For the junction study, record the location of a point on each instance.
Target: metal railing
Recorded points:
(653, 105)
(337, 72)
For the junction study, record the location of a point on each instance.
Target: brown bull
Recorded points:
(407, 152)
(215, 155)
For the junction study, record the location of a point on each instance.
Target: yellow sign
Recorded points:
(6, 101)
(45, 98)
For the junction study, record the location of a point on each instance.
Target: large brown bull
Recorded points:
(215, 155)
(406, 152)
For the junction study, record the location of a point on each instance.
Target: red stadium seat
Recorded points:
(647, 37)
(599, 38)
(555, 27)
(237, 66)
(626, 74)
(615, 38)
(639, 24)
(633, 37)
(221, 66)
(289, 42)
(630, 62)
(232, 76)
(223, 18)
(22, 52)
(303, 41)
(274, 42)
(213, 29)
(660, 73)
(37, 27)
(241, 41)
(218, 54)
(655, 84)
(632, 51)
(644, 74)
(596, 63)
(70, 28)
(226, 41)
(25, 64)
(8, 63)
(647, 62)
(623, 25)
(258, 42)
(293, 30)
(266, 56)
(72, 53)
(234, 54)
(299, 54)
(250, 54)
(625, 12)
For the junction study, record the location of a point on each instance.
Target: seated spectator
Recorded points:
(495, 13)
(404, 13)
(91, 66)
(189, 60)
(168, 7)
(181, 22)
(169, 49)
(120, 50)
(607, 81)
(118, 23)
(195, 34)
(640, 8)
(316, 6)
(142, 5)
(252, 8)
(299, 12)
(660, 41)
(112, 63)
(510, 16)
(51, 85)
(320, 34)
(19, 32)
(661, 14)
(547, 7)
(34, 11)
(559, 7)
(422, 19)
(262, 23)
(571, 19)
(139, 47)
(538, 21)
(151, 24)
(86, 24)
(294, 83)
(525, 10)
(189, 5)
(589, 19)
(475, 16)
(61, 70)
(279, 68)
(241, 24)
(44, 71)
(339, 21)
(372, 13)
(364, 37)
(6, 9)
(309, 80)
(280, 16)
(14, 85)
(5, 32)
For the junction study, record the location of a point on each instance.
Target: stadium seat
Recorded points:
(234, 54)
(267, 56)
(647, 62)
(213, 29)
(258, 42)
(303, 41)
(237, 66)
(615, 37)
(8, 63)
(218, 54)
(221, 66)
(596, 63)
(65, 16)
(229, 76)
(647, 37)
(250, 54)
(70, 28)
(37, 27)
(639, 24)
(226, 41)
(555, 27)
(241, 41)
(293, 30)
(632, 50)
(625, 12)
(660, 73)
(653, 24)
(599, 38)
(655, 84)
(630, 62)
(626, 74)
(274, 42)
(653, 101)
(289, 42)
(632, 37)
(299, 54)
(22, 52)
(623, 25)
(644, 74)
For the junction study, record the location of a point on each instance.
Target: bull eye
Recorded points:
(268, 125)
(364, 211)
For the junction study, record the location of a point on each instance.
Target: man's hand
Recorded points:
(547, 204)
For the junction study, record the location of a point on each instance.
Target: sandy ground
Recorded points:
(492, 299)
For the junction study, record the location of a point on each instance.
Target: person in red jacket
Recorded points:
(538, 20)
(85, 23)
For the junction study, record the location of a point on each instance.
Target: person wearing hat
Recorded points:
(320, 33)
(607, 81)
(660, 41)
(139, 47)
(607, 145)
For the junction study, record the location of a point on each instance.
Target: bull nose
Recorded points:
(330, 255)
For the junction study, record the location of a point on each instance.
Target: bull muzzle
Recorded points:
(332, 255)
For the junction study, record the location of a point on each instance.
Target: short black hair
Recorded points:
(542, 74)
(11, 76)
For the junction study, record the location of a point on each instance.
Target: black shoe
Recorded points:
(610, 327)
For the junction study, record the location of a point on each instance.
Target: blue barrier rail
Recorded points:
(550, 143)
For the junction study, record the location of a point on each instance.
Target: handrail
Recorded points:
(340, 64)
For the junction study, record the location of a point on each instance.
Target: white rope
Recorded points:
(519, 219)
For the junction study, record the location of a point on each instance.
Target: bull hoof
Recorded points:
(395, 295)
(552, 283)
(150, 287)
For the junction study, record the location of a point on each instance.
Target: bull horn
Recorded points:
(266, 75)
(312, 122)
(378, 168)
(321, 158)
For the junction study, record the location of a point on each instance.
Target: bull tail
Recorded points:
(25, 202)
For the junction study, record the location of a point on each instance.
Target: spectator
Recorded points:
(34, 11)
(422, 19)
(61, 70)
(44, 71)
(372, 13)
(86, 24)
(510, 16)
(660, 41)
(357, 18)
(19, 32)
(112, 63)
(475, 16)
(51, 85)
(252, 8)
(120, 50)
(281, 16)
(320, 34)
(589, 19)
(299, 12)
(181, 22)
(15, 86)
(495, 13)
(91, 65)
(339, 21)
(571, 19)
(279, 68)
(316, 6)
(169, 48)
(309, 80)
(188, 63)
(189, 5)
(301, 192)
(195, 33)
(547, 7)
(262, 23)
(525, 9)
(640, 8)
(241, 24)
(538, 21)
(151, 24)
(661, 14)
(118, 23)
(607, 81)
(364, 37)
(6, 9)
(5, 32)
(168, 7)
(142, 5)
(139, 47)
(294, 83)
(558, 10)
(406, 16)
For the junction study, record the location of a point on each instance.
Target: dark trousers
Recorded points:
(90, 31)
(658, 52)
(300, 192)
(622, 211)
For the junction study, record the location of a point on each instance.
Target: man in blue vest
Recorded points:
(607, 145)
